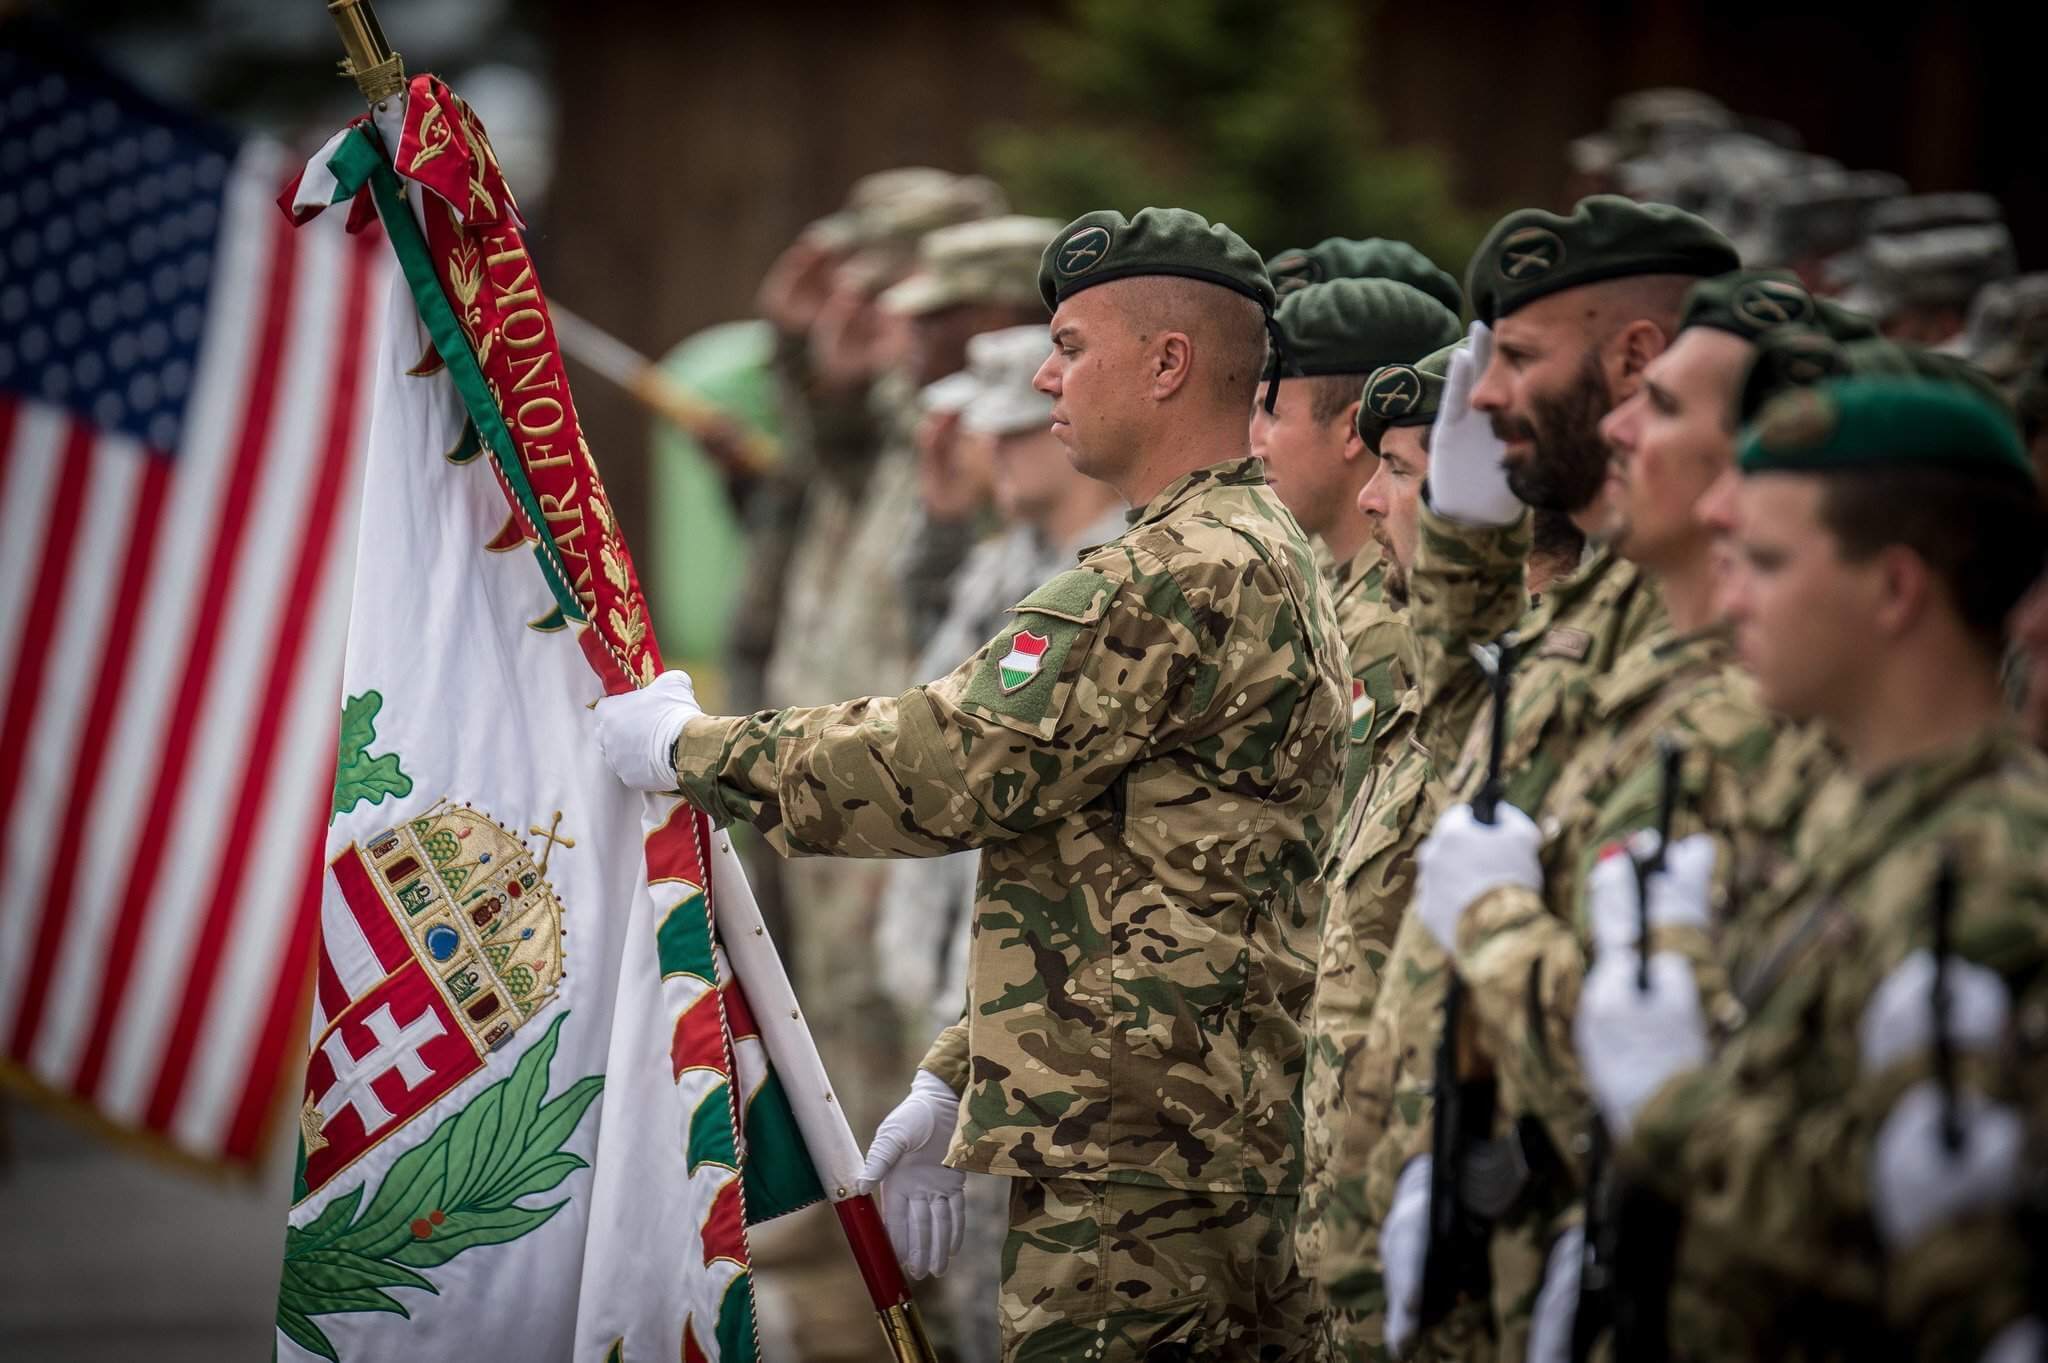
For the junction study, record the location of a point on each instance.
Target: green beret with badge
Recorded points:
(1753, 303)
(1531, 254)
(1403, 395)
(1363, 258)
(1353, 326)
(1867, 423)
(1102, 246)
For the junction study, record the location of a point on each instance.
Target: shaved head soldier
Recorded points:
(1149, 757)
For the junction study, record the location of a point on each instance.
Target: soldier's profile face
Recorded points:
(1545, 390)
(1670, 441)
(1803, 616)
(1392, 497)
(1095, 378)
(1304, 457)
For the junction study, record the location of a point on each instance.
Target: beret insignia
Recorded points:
(1082, 251)
(1530, 252)
(1394, 391)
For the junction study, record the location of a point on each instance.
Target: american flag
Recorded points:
(183, 405)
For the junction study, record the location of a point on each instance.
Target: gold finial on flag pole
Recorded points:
(377, 71)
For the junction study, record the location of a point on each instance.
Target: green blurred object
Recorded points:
(1247, 112)
(694, 566)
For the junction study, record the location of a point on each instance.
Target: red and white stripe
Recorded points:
(171, 637)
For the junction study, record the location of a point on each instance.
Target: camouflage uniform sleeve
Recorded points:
(1767, 1148)
(947, 1057)
(1033, 727)
(1466, 588)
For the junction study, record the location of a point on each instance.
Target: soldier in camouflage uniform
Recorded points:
(1360, 1055)
(1884, 530)
(1581, 303)
(1333, 335)
(1150, 757)
(1520, 933)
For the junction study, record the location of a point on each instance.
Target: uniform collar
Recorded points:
(1246, 472)
(1349, 576)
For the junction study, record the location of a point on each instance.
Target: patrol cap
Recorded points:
(1353, 326)
(1403, 395)
(2008, 326)
(1362, 258)
(949, 395)
(1749, 303)
(1938, 267)
(1847, 425)
(888, 227)
(1531, 253)
(843, 229)
(1003, 363)
(994, 260)
(1102, 246)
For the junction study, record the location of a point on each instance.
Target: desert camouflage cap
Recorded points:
(1403, 395)
(2007, 331)
(994, 260)
(1531, 254)
(1102, 246)
(1003, 364)
(1362, 258)
(842, 228)
(1353, 326)
(1846, 425)
(1936, 266)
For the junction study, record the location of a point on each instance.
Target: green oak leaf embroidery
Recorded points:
(454, 1191)
(359, 777)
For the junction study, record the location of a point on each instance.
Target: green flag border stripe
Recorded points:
(359, 160)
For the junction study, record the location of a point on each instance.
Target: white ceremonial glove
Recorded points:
(1467, 480)
(1917, 1182)
(1462, 859)
(1899, 1019)
(2023, 1341)
(638, 730)
(1678, 893)
(1631, 1041)
(1404, 1251)
(923, 1202)
(1557, 1304)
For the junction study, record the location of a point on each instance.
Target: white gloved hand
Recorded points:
(1404, 1252)
(638, 730)
(1631, 1041)
(1467, 480)
(923, 1202)
(1899, 1019)
(2023, 1341)
(1557, 1304)
(1462, 859)
(1678, 893)
(1917, 1182)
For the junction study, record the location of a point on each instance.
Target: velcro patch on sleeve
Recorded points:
(1022, 673)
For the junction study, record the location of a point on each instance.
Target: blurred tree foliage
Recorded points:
(1247, 111)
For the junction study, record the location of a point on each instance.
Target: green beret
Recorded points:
(1849, 424)
(1367, 258)
(1403, 394)
(1750, 303)
(1787, 358)
(1530, 254)
(1895, 359)
(1353, 326)
(1098, 247)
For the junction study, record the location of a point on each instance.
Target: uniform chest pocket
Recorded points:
(1029, 672)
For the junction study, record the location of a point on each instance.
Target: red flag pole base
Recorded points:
(901, 1324)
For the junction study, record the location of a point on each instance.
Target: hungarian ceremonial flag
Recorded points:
(537, 1114)
(184, 394)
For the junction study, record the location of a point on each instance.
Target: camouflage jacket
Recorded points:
(1150, 757)
(1467, 587)
(1766, 1149)
(1741, 777)
(1374, 634)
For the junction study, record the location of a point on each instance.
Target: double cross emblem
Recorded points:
(1084, 250)
(1530, 252)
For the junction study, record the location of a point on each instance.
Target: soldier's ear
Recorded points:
(1172, 360)
(1903, 590)
(1354, 443)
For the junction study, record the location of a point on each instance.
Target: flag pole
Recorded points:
(379, 73)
